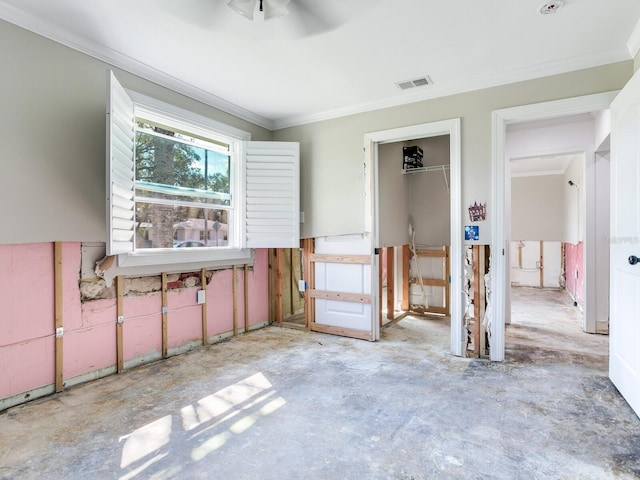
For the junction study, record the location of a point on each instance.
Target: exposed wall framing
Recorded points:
(477, 267)
(83, 330)
(311, 293)
(442, 281)
(286, 301)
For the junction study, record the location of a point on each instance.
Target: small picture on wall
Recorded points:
(478, 213)
(472, 232)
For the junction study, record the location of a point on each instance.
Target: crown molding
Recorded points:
(124, 62)
(437, 91)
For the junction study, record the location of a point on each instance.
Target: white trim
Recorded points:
(540, 173)
(151, 263)
(633, 44)
(159, 110)
(478, 83)
(500, 119)
(117, 59)
(449, 127)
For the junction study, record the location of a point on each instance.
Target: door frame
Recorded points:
(449, 127)
(500, 174)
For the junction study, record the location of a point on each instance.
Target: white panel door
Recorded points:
(624, 343)
(340, 282)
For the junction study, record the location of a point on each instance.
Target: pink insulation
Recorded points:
(27, 320)
(573, 262)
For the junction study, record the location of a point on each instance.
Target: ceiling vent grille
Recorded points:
(418, 82)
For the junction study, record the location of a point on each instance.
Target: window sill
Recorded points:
(168, 261)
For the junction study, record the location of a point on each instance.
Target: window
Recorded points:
(185, 189)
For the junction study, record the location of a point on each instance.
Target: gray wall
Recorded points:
(393, 197)
(428, 195)
(52, 125)
(423, 196)
(52, 132)
(332, 151)
(537, 207)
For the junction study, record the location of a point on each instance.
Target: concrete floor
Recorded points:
(289, 404)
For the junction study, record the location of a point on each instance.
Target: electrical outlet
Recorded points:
(302, 285)
(301, 217)
(201, 297)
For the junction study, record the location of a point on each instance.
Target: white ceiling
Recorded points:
(535, 166)
(276, 74)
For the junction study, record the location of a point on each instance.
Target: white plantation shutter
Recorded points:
(120, 168)
(272, 195)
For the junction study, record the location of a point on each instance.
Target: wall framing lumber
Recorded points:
(59, 320)
(343, 332)
(340, 296)
(542, 264)
(234, 289)
(406, 258)
(279, 285)
(444, 281)
(476, 300)
(330, 258)
(203, 286)
(391, 291)
(119, 324)
(165, 339)
(246, 298)
(308, 246)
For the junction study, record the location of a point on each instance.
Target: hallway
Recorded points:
(288, 404)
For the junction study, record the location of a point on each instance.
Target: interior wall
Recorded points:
(537, 207)
(527, 272)
(574, 201)
(602, 254)
(429, 197)
(58, 96)
(27, 352)
(393, 196)
(422, 195)
(333, 186)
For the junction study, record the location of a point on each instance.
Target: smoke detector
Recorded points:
(551, 7)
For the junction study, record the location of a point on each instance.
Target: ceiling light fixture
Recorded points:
(551, 7)
(271, 8)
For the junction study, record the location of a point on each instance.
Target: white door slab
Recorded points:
(624, 345)
(347, 306)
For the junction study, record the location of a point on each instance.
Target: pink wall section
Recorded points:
(26, 317)
(573, 261)
(27, 323)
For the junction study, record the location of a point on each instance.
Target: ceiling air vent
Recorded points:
(418, 82)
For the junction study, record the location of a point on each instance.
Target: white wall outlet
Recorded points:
(302, 285)
(301, 217)
(201, 297)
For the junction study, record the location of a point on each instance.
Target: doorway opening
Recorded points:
(416, 219)
(571, 131)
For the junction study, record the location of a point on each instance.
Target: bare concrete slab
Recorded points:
(289, 404)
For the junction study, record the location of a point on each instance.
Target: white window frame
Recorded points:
(153, 261)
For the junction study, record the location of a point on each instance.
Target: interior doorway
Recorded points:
(392, 216)
(553, 118)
